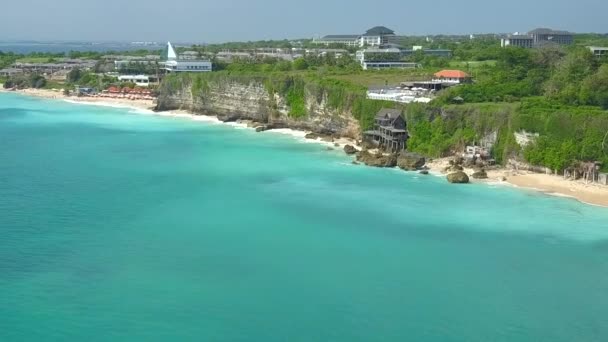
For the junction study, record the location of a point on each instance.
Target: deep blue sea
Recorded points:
(117, 226)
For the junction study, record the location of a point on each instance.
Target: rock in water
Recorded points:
(481, 174)
(228, 118)
(261, 128)
(458, 177)
(409, 161)
(349, 149)
(377, 160)
(424, 172)
(313, 136)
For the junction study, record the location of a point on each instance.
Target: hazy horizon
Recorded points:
(239, 20)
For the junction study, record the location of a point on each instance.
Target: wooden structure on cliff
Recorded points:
(390, 130)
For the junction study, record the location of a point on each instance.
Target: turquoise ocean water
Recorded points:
(116, 226)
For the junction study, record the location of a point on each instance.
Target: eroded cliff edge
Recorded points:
(286, 102)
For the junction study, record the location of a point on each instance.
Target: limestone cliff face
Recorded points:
(251, 100)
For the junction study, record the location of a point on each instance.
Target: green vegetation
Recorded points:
(25, 81)
(295, 87)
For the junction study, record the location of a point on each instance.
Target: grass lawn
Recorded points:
(381, 78)
(470, 65)
(33, 60)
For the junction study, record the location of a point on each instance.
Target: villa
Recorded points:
(390, 130)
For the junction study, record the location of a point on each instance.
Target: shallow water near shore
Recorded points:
(117, 226)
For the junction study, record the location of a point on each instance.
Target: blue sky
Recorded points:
(240, 20)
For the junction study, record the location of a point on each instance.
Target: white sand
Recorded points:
(594, 194)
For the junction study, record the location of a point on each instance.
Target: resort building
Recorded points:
(348, 40)
(520, 40)
(127, 63)
(174, 64)
(8, 72)
(139, 80)
(390, 130)
(451, 76)
(543, 36)
(428, 52)
(599, 51)
(377, 58)
(538, 38)
(375, 36)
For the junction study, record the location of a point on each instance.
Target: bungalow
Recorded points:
(390, 130)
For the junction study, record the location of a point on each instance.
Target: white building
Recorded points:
(599, 51)
(378, 59)
(349, 40)
(174, 64)
(139, 80)
(374, 37)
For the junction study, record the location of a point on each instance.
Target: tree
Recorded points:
(37, 81)
(300, 64)
(74, 75)
(594, 89)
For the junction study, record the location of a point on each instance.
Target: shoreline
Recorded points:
(548, 184)
(551, 185)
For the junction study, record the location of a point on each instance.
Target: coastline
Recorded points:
(591, 194)
(552, 185)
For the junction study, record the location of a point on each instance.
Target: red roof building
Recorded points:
(452, 76)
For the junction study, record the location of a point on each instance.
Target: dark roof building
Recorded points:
(390, 130)
(538, 38)
(376, 36)
(379, 31)
(342, 36)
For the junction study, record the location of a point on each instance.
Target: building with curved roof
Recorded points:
(375, 36)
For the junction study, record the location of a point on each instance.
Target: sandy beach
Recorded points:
(148, 106)
(116, 102)
(593, 194)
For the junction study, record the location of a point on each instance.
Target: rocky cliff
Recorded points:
(253, 99)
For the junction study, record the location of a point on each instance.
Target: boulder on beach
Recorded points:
(458, 177)
(261, 128)
(481, 174)
(327, 138)
(409, 161)
(377, 160)
(312, 136)
(349, 149)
